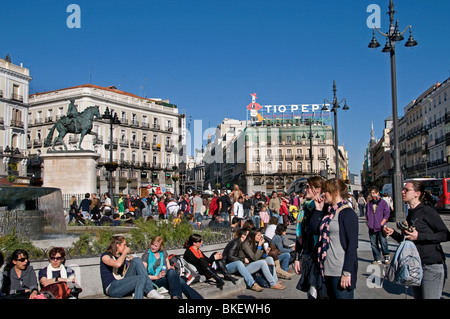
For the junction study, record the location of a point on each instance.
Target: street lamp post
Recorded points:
(310, 137)
(112, 118)
(393, 36)
(335, 105)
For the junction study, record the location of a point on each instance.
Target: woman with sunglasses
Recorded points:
(307, 231)
(197, 258)
(56, 271)
(19, 278)
(427, 234)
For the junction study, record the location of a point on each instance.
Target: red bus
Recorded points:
(440, 189)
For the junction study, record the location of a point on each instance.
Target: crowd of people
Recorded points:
(324, 253)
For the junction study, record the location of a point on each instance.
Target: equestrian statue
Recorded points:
(75, 122)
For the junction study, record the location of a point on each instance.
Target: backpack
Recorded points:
(406, 267)
(58, 290)
(185, 270)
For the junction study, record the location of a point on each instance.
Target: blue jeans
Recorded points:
(334, 290)
(262, 265)
(198, 217)
(225, 216)
(432, 282)
(284, 259)
(376, 240)
(257, 220)
(135, 280)
(243, 271)
(176, 285)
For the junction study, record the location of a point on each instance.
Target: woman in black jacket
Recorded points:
(195, 256)
(427, 234)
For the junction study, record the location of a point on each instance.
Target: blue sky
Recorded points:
(207, 56)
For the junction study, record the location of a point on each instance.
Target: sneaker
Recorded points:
(376, 262)
(257, 287)
(154, 294)
(387, 259)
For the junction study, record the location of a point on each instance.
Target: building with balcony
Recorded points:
(270, 156)
(424, 149)
(147, 144)
(14, 88)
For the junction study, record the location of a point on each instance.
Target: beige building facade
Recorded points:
(146, 144)
(14, 89)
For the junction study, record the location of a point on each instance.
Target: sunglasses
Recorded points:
(56, 258)
(22, 259)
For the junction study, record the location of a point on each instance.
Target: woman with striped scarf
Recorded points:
(338, 242)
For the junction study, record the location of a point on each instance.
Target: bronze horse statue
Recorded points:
(64, 125)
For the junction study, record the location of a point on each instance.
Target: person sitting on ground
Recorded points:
(57, 272)
(195, 256)
(253, 250)
(19, 278)
(116, 220)
(270, 230)
(129, 220)
(190, 218)
(236, 223)
(285, 251)
(217, 221)
(121, 277)
(234, 261)
(156, 261)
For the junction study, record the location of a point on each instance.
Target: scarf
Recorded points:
(62, 271)
(375, 201)
(151, 263)
(309, 204)
(197, 253)
(324, 239)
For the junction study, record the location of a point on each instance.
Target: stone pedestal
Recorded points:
(74, 172)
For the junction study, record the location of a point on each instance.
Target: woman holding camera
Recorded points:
(428, 231)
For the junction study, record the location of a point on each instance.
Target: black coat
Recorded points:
(432, 231)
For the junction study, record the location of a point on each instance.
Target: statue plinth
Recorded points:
(74, 172)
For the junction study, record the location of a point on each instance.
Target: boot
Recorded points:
(225, 272)
(282, 273)
(210, 273)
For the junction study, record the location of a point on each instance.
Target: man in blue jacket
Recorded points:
(377, 215)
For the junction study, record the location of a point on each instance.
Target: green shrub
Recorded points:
(11, 242)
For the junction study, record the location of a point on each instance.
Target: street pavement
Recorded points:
(370, 284)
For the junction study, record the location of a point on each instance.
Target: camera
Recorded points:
(404, 226)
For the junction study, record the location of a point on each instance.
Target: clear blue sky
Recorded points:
(207, 56)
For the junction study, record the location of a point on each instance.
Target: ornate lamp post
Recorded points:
(334, 109)
(310, 137)
(393, 36)
(111, 166)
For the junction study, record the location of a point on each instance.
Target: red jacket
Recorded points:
(161, 208)
(213, 206)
